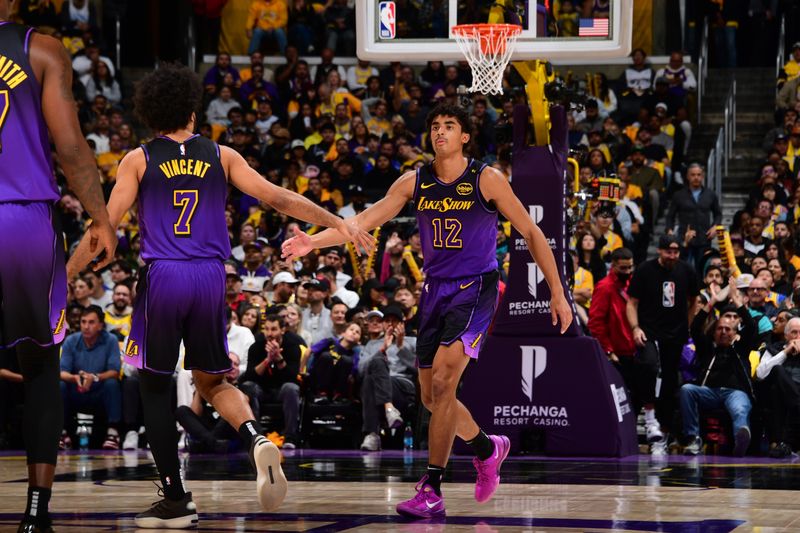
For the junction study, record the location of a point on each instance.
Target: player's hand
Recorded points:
(561, 312)
(360, 238)
(296, 247)
(639, 337)
(102, 238)
(80, 258)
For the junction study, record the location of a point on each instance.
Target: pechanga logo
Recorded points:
(534, 361)
(537, 213)
(535, 306)
(464, 189)
(444, 205)
(535, 277)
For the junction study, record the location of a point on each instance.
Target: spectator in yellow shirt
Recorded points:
(267, 18)
(791, 69)
(108, 162)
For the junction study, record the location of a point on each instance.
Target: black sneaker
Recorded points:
(169, 514)
(31, 527)
(742, 441)
(271, 483)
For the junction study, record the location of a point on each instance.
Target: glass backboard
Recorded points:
(421, 30)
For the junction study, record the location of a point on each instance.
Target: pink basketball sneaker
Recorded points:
(426, 504)
(489, 470)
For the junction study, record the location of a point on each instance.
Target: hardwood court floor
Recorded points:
(354, 491)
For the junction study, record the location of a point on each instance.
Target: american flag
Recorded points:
(593, 28)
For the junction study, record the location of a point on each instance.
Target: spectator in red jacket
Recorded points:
(607, 320)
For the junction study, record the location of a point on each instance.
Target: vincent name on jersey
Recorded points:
(183, 167)
(11, 73)
(444, 205)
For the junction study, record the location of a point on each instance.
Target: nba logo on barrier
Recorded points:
(534, 361)
(386, 13)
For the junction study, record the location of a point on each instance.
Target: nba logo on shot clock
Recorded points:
(386, 11)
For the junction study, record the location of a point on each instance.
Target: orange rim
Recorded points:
(491, 37)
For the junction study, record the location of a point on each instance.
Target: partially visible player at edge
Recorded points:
(181, 181)
(456, 201)
(36, 87)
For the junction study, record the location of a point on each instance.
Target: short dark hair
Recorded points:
(101, 316)
(123, 265)
(620, 254)
(449, 110)
(328, 271)
(275, 318)
(87, 280)
(166, 98)
(760, 270)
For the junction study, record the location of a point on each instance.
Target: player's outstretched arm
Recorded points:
(285, 201)
(495, 187)
(50, 58)
(123, 195)
(376, 215)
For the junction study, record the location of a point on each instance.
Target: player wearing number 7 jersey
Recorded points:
(181, 180)
(456, 201)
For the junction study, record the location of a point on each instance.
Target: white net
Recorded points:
(488, 49)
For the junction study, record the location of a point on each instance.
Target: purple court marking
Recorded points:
(349, 521)
(721, 460)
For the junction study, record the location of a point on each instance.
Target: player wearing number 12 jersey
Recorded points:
(181, 181)
(457, 201)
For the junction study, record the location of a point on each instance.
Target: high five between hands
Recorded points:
(301, 243)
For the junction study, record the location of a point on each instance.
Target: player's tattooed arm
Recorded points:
(53, 66)
(60, 113)
(289, 202)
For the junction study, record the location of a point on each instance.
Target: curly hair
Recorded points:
(450, 110)
(166, 98)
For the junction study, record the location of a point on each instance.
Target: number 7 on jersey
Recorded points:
(186, 200)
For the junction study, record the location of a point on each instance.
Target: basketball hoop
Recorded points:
(488, 49)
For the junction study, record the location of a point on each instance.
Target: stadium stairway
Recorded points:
(755, 105)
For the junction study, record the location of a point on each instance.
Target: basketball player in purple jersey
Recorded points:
(457, 201)
(36, 95)
(181, 182)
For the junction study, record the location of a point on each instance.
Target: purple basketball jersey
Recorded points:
(182, 199)
(26, 171)
(457, 228)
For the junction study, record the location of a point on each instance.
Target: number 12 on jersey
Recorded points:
(186, 200)
(451, 226)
